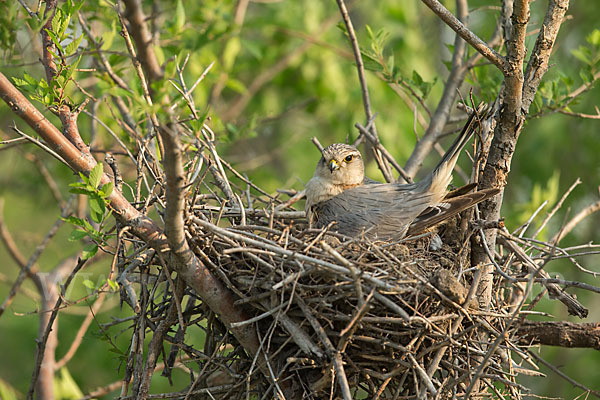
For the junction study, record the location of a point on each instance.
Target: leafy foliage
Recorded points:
(98, 201)
(315, 92)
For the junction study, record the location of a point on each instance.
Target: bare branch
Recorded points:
(538, 62)
(555, 291)
(466, 34)
(32, 261)
(440, 117)
(506, 133)
(581, 115)
(195, 274)
(45, 330)
(555, 209)
(333, 354)
(581, 215)
(143, 39)
(563, 375)
(560, 333)
(48, 44)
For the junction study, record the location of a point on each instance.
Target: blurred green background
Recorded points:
(285, 75)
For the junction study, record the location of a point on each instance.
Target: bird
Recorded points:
(340, 193)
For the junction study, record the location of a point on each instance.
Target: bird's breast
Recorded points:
(318, 190)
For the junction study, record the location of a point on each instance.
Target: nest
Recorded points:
(390, 312)
(395, 319)
(335, 316)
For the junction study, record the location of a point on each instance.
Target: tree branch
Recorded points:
(581, 215)
(464, 32)
(440, 116)
(505, 138)
(538, 62)
(47, 43)
(196, 275)
(360, 68)
(559, 333)
(143, 39)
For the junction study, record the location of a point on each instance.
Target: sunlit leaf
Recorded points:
(77, 235)
(89, 251)
(88, 283)
(96, 175)
(179, 16)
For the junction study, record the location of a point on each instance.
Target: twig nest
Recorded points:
(447, 283)
(392, 311)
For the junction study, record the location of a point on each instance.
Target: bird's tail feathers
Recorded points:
(442, 173)
(463, 138)
(448, 208)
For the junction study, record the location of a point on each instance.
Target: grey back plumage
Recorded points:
(382, 211)
(357, 205)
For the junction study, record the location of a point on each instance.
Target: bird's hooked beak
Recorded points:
(333, 165)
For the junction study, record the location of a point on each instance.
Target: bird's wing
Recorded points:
(451, 206)
(381, 210)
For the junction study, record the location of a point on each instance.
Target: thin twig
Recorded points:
(466, 34)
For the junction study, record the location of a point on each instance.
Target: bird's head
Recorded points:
(341, 164)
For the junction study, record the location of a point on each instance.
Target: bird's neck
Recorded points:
(319, 189)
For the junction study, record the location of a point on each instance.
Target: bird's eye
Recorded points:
(349, 158)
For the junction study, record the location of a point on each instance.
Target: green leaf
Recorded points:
(232, 49)
(586, 75)
(160, 57)
(80, 189)
(107, 190)
(390, 63)
(68, 7)
(594, 38)
(236, 85)
(371, 63)
(157, 150)
(179, 17)
(21, 83)
(417, 79)
(75, 221)
(89, 250)
(56, 21)
(113, 285)
(7, 392)
(84, 178)
(583, 54)
(30, 79)
(97, 205)
(73, 46)
(76, 235)
(42, 84)
(96, 175)
(253, 48)
(96, 216)
(89, 284)
(369, 32)
(422, 85)
(77, 6)
(65, 386)
(56, 42)
(66, 18)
